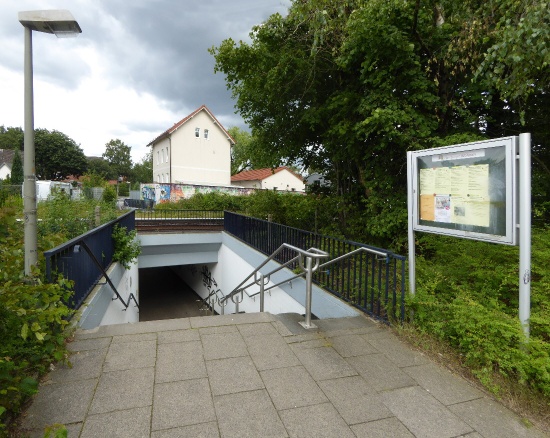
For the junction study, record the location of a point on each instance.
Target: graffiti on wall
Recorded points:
(162, 193)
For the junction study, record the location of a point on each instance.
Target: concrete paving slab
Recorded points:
(248, 414)
(380, 373)
(124, 356)
(423, 415)
(86, 364)
(292, 387)
(89, 344)
(323, 363)
(223, 345)
(316, 342)
(219, 329)
(178, 336)
(318, 421)
(231, 375)
(180, 361)
(60, 403)
(354, 399)
(385, 428)
(124, 389)
(182, 403)
(352, 345)
(281, 328)
(270, 351)
(335, 324)
(135, 338)
(449, 389)
(130, 423)
(262, 328)
(493, 420)
(311, 336)
(398, 352)
(134, 328)
(291, 322)
(73, 431)
(204, 430)
(221, 320)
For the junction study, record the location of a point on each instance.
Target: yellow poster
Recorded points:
(478, 180)
(427, 181)
(478, 211)
(427, 207)
(443, 180)
(459, 180)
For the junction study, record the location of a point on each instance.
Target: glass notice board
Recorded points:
(466, 190)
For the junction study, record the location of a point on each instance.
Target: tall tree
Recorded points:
(101, 167)
(248, 153)
(118, 155)
(16, 176)
(142, 172)
(348, 87)
(11, 138)
(57, 155)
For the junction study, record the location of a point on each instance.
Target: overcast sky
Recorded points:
(138, 67)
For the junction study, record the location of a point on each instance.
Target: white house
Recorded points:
(196, 150)
(281, 178)
(6, 161)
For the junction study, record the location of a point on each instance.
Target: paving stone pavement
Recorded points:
(260, 375)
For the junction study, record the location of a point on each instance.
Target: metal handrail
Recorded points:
(312, 252)
(330, 262)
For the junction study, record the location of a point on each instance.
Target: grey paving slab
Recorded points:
(180, 361)
(398, 352)
(319, 341)
(385, 428)
(182, 403)
(135, 328)
(231, 375)
(73, 431)
(89, 344)
(323, 363)
(334, 324)
(352, 345)
(223, 345)
(204, 430)
(311, 336)
(60, 403)
(380, 372)
(123, 356)
(318, 421)
(270, 351)
(281, 328)
(124, 389)
(219, 329)
(130, 423)
(423, 415)
(370, 330)
(86, 364)
(178, 336)
(447, 388)
(262, 328)
(354, 399)
(220, 320)
(248, 414)
(291, 322)
(292, 387)
(135, 338)
(493, 420)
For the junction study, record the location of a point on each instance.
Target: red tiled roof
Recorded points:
(260, 174)
(186, 119)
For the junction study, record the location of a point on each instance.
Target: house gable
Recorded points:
(281, 178)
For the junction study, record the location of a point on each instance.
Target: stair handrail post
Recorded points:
(262, 297)
(309, 290)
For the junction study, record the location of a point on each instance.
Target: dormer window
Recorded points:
(197, 132)
(206, 134)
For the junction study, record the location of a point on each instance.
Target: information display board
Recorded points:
(466, 190)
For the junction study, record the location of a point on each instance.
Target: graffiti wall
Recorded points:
(162, 193)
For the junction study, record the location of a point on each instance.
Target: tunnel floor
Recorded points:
(163, 295)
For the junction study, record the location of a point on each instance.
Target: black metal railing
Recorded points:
(178, 220)
(371, 281)
(84, 259)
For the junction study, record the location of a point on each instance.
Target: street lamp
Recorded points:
(62, 24)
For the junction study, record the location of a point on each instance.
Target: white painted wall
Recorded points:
(161, 161)
(284, 181)
(5, 171)
(129, 283)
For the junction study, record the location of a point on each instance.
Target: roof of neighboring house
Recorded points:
(260, 174)
(177, 125)
(6, 156)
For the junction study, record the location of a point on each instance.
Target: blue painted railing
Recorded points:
(75, 264)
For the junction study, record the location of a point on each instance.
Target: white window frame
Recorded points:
(206, 134)
(197, 132)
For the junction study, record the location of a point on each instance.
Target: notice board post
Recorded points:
(474, 191)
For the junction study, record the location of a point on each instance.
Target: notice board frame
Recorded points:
(492, 169)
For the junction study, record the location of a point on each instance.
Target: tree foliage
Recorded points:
(117, 153)
(100, 166)
(142, 172)
(57, 155)
(16, 176)
(11, 138)
(348, 87)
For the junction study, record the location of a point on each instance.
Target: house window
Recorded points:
(197, 132)
(158, 157)
(158, 178)
(206, 134)
(167, 155)
(167, 178)
(162, 156)
(275, 188)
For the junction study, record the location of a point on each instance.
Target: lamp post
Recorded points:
(62, 24)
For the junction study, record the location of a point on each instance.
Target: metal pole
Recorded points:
(309, 283)
(525, 232)
(262, 298)
(29, 183)
(410, 207)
